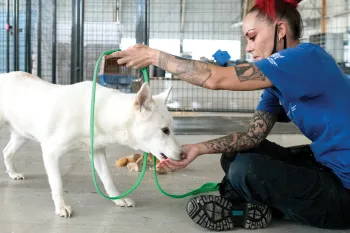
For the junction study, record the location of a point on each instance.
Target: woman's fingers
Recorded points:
(123, 61)
(165, 166)
(135, 63)
(175, 165)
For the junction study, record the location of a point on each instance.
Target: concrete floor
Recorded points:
(27, 206)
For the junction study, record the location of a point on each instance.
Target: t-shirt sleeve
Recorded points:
(296, 72)
(270, 103)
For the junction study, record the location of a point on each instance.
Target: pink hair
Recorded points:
(269, 6)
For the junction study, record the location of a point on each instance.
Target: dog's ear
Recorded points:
(143, 97)
(162, 97)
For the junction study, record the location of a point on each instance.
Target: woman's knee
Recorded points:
(244, 165)
(244, 174)
(226, 159)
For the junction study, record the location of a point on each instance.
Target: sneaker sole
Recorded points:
(218, 214)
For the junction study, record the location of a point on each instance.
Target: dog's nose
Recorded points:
(164, 156)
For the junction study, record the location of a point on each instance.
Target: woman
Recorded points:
(303, 84)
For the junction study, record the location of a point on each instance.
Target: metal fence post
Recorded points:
(28, 40)
(39, 38)
(81, 41)
(77, 42)
(54, 37)
(8, 36)
(15, 35)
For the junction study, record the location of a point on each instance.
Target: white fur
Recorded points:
(58, 117)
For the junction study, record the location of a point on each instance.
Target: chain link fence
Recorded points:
(61, 40)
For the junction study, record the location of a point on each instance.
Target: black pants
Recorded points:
(290, 181)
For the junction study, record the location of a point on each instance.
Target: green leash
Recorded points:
(207, 187)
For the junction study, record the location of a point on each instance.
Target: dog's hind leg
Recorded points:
(105, 176)
(51, 156)
(16, 141)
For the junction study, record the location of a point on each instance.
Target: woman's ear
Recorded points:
(282, 30)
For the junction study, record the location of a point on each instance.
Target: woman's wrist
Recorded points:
(202, 149)
(153, 55)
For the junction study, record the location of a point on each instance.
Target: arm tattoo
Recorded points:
(249, 71)
(191, 71)
(258, 129)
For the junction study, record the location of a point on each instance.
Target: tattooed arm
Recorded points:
(191, 71)
(241, 77)
(258, 129)
(245, 76)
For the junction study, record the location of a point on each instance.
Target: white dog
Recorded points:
(58, 117)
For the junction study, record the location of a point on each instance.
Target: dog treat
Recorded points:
(134, 163)
(122, 162)
(161, 170)
(134, 167)
(150, 158)
(133, 158)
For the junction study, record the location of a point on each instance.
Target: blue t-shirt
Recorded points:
(313, 92)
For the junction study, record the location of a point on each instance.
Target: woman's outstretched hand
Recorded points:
(190, 153)
(137, 56)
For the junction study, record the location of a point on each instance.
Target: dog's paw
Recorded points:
(16, 176)
(126, 202)
(64, 211)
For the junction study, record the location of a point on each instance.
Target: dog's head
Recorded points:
(152, 127)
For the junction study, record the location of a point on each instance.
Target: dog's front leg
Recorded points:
(51, 162)
(105, 176)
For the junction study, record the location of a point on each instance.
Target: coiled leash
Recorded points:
(207, 187)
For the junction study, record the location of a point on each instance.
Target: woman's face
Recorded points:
(260, 36)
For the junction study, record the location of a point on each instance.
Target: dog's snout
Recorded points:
(179, 154)
(181, 151)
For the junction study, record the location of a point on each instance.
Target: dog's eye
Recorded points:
(166, 130)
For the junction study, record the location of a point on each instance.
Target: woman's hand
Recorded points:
(137, 56)
(190, 153)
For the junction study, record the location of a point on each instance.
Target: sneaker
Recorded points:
(216, 213)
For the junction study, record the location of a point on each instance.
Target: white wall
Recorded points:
(204, 19)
